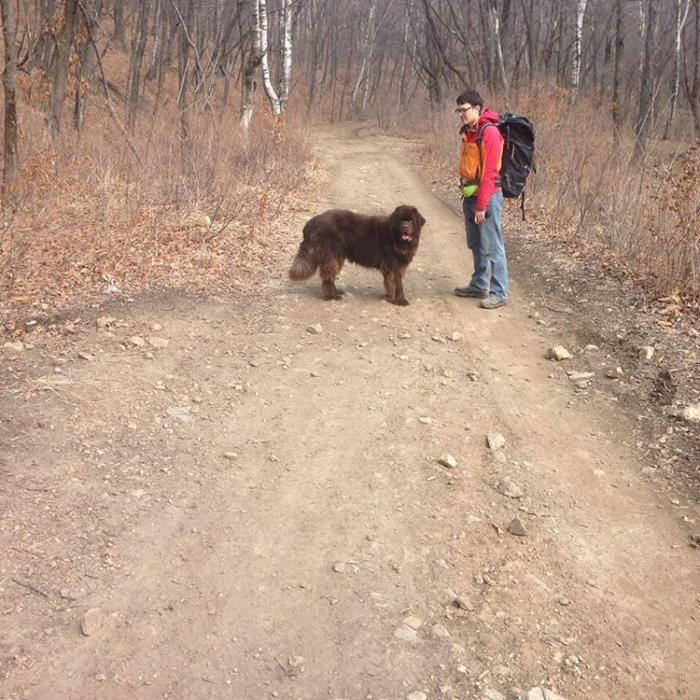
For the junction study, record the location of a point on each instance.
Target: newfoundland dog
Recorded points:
(386, 243)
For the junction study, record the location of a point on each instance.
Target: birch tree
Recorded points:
(578, 43)
(265, 62)
(642, 125)
(252, 59)
(682, 10)
(287, 27)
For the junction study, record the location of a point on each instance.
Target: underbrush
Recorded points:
(93, 216)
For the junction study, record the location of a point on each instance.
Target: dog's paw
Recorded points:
(400, 302)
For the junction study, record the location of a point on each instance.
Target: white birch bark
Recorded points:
(681, 17)
(496, 29)
(367, 51)
(267, 81)
(578, 44)
(252, 62)
(286, 53)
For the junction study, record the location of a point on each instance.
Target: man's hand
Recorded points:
(480, 216)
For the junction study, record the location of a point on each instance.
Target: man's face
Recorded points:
(469, 114)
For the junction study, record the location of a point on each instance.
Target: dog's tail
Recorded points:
(304, 264)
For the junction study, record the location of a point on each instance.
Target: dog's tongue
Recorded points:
(406, 237)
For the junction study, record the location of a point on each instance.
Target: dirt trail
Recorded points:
(257, 510)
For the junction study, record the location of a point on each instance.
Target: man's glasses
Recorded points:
(463, 110)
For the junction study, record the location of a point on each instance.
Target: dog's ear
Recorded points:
(418, 220)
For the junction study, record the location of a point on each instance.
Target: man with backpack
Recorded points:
(482, 200)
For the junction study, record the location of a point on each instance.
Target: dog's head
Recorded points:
(407, 223)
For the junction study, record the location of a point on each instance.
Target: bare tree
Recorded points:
(617, 75)
(265, 63)
(64, 44)
(682, 9)
(8, 10)
(692, 83)
(642, 127)
(576, 65)
(253, 58)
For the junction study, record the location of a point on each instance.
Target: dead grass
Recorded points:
(93, 219)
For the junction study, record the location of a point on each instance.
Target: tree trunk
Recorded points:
(119, 35)
(496, 29)
(138, 48)
(88, 60)
(286, 78)
(642, 127)
(64, 43)
(693, 89)
(367, 47)
(681, 17)
(8, 9)
(576, 65)
(252, 59)
(617, 75)
(267, 80)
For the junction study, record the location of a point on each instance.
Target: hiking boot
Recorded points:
(492, 302)
(472, 292)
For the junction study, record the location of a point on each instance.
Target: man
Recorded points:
(482, 200)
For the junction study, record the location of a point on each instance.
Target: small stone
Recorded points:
(137, 340)
(591, 348)
(438, 339)
(413, 622)
(155, 327)
(495, 441)
(425, 420)
(417, 695)
(516, 528)
(646, 352)
(694, 541)
(448, 461)
(439, 631)
(580, 376)
(86, 356)
(181, 413)
(456, 335)
(316, 329)
(491, 694)
(105, 321)
(690, 413)
(558, 353)
(406, 634)
(16, 346)
(156, 342)
(508, 488)
(463, 603)
(339, 567)
(92, 621)
(69, 594)
(231, 455)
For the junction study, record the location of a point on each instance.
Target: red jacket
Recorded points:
(482, 162)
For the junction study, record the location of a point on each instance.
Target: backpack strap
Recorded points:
(480, 131)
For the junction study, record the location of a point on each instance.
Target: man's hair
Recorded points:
(472, 97)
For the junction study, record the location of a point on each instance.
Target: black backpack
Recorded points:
(518, 154)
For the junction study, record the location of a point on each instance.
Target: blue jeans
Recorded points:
(486, 243)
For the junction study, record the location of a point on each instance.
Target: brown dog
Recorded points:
(386, 243)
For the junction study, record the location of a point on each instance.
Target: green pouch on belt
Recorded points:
(469, 190)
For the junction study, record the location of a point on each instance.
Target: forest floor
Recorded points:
(212, 496)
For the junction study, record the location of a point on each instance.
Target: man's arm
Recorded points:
(492, 144)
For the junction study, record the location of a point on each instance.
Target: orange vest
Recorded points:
(472, 158)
